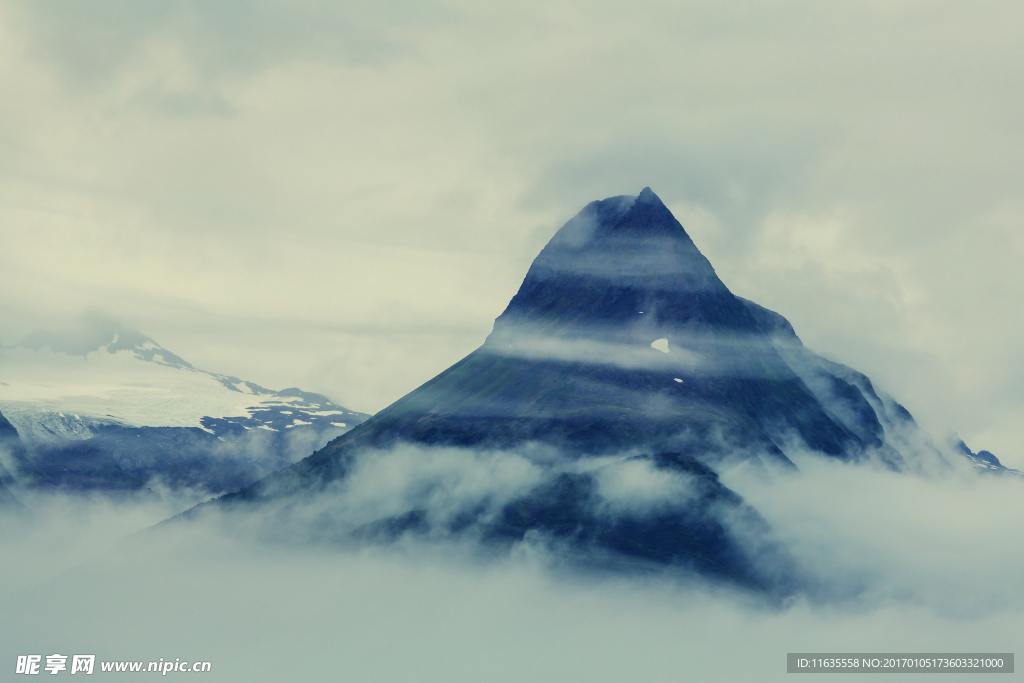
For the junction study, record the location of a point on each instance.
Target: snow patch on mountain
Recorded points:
(64, 385)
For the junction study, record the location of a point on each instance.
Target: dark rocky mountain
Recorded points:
(622, 361)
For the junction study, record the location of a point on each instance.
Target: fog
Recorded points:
(907, 564)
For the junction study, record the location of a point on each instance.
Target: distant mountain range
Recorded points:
(619, 380)
(102, 407)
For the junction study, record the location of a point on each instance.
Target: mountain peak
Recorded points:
(647, 196)
(96, 331)
(621, 261)
(91, 331)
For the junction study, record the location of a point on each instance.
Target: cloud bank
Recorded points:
(918, 565)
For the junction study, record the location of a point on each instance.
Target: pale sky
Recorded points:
(343, 196)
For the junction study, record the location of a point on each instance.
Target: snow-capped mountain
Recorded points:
(102, 392)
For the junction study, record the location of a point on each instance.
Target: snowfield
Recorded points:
(51, 395)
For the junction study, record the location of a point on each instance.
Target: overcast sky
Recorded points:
(343, 196)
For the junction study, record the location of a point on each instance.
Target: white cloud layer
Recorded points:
(913, 565)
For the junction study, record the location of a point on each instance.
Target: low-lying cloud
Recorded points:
(908, 563)
(443, 483)
(948, 543)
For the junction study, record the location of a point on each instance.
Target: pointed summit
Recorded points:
(641, 216)
(622, 262)
(647, 196)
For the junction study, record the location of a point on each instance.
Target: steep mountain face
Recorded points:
(623, 363)
(103, 407)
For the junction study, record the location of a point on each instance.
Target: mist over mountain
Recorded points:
(101, 407)
(12, 456)
(93, 331)
(618, 385)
